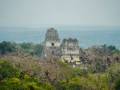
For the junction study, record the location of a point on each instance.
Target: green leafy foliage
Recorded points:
(117, 84)
(7, 70)
(112, 47)
(23, 71)
(33, 49)
(38, 49)
(6, 47)
(25, 48)
(12, 84)
(14, 79)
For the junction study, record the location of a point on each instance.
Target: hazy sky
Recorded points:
(35, 13)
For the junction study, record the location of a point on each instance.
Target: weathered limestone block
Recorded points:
(51, 43)
(70, 50)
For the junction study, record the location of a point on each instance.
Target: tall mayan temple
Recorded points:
(68, 49)
(51, 43)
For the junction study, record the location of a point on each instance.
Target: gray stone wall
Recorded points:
(51, 43)
(68, 50)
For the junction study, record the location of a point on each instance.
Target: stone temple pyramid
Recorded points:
(68, 50)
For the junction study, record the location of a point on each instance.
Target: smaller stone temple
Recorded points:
(68, 49)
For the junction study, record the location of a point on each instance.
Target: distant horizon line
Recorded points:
(54, 26)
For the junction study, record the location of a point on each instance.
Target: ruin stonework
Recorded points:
(68, 49)
(51, 39)
(51, 43)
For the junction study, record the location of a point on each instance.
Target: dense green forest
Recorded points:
(30, 48)
(22, 68)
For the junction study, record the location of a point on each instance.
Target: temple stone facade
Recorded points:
(68, 49)
(51, 43)
(51, 38)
